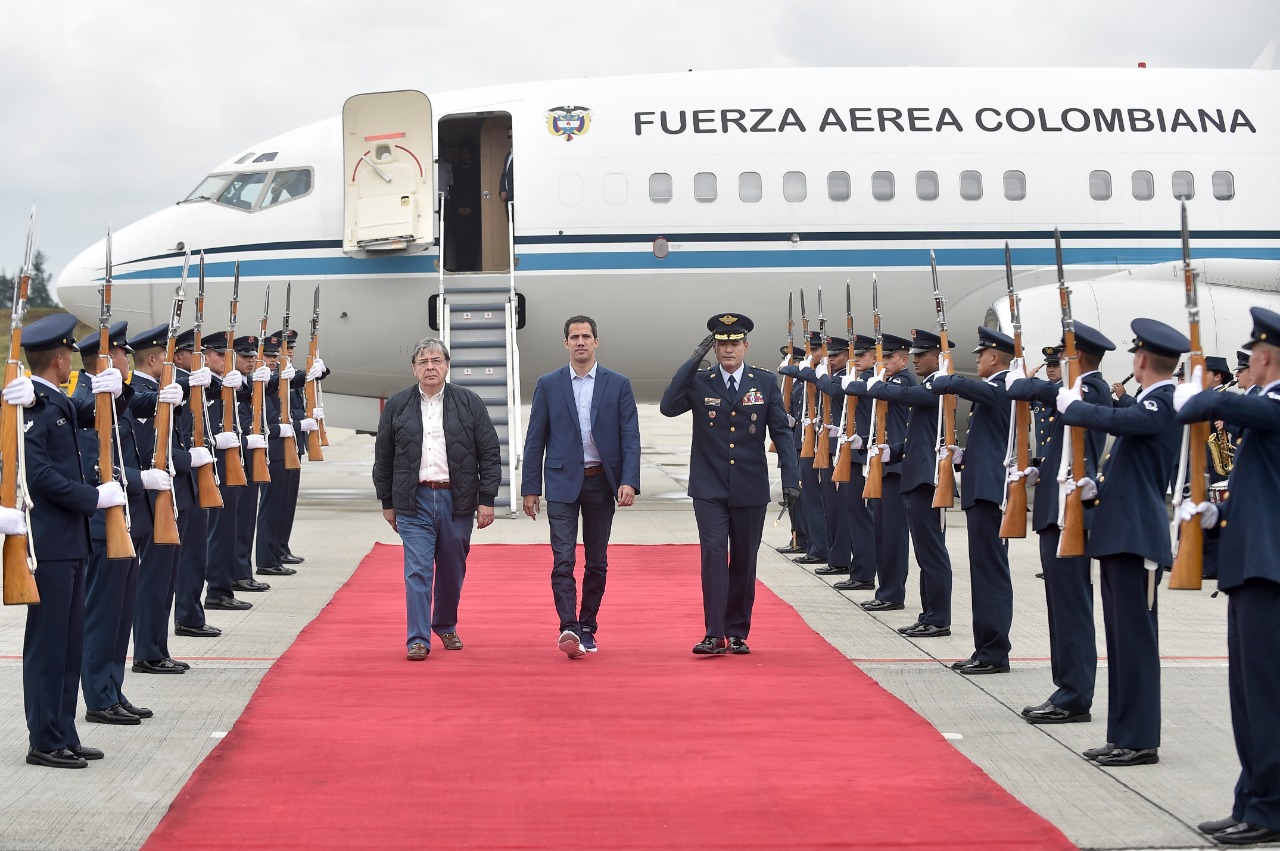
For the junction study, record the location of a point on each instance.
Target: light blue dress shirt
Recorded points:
(584, 388)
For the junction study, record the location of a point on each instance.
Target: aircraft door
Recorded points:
(389, 195)
(495, 145)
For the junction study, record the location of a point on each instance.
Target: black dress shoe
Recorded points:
(978, 668)
(227, 603)
(711, 646)
(1129, 756)
(910, 626)
(1051, 714)
(1027, 710)
(140, 711)
(809, 560)
(963, 663)
(290, 558)
(790, 549)
(113, 714)
(854, 585)
(1209, 828)
(738, 646)
(275, 570)
(832, 571)
(183, 665)
(881, 606)
(927, 630)
(61, 758)
(1094, 753)
(1246, 833)
(155, 666)
(202, 631)
(250, 585)
(85, 753)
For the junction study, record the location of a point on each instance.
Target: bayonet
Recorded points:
(235, 307)
(199, 322)
(1015, 301)
(175, 318)
(939, 303)
(822, 320)
(104, 292)
(315, 314)
(23, 280)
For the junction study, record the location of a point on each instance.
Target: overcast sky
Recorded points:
(113, 109)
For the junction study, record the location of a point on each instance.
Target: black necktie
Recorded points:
(733, 385)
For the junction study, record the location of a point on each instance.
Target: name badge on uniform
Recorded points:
(753, 397)
(711, 401)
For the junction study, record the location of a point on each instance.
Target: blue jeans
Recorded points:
(435, 559)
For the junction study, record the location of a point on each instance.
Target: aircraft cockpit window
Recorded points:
(1184, 185)
(839, 186)
(268, 157)
(795, 187)
(927, 185)
(208, 188)
(245, 158)
(971, 185)
(1224, 185)
(704, 187)
(1144, 186)
(1015, 185)
(882, 185)
(286, 185)
(660, 188)
(243, 190)
(1100, 185)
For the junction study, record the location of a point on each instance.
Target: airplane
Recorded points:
(653, 202)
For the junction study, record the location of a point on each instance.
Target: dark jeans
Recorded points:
(595, 504)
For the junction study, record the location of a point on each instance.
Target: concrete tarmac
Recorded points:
(116, 802)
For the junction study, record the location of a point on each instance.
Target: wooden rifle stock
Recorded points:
(1014, 522)
(119, 543)
(292, 461)
(1188, 564)
(944, 494)
(810, 390)
(19, 580)
(259, 472)
(821, 443)
(165, 529)
(233, 472)
(843, 471)
(315, 438)
(1071, 542)
(206, 480)
(874, 487)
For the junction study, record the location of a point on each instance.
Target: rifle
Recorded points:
(19, 553)
(233, 476)
(879, 408)
(206, 478)
(821, 444)
(787, 381)
(119, 543)
(844, 451)
(291, 459)
(810, 399)
(166, 510)
(260, 473)
(315, 439)
(1014, 524)
(1071, 542)
(1187, 563)
(944, 491)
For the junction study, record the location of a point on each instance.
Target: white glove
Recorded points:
(1066, 397)
(846, 380)
(878, 450)
(822, 368)
(1207, 510)
(286, 430)
(21, 392)
(807, 362)
(317, 369)
(1031, 474)
(12, 522)
(201, 377)
(1088, 487)
(875, 379)
(226, 440)
(791, 422)
(309, 425)
(855, 442)
(108, 381)
(200, 457)
(233, 379)
(262, 374)
(1011, 376)
(288, 372)
(110, 495)
(785, 361)
(806, 422)
(255, 441)
(317, 413)
(1183, 392)
(957, 454)
(170, 395)
(1018, 365)
(156, 480)
(833, 431)
(944, 363)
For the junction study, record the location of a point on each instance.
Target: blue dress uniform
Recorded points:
(1043, 415)
(981, 495)
(247, 509)
(1130, 539)
(221, 551)
(1209, 558)
(297, 413)
(729, 477)
(274, 505)
(815, 515)
(1068, 586)
(1250, 575)
(193, 522)
(63, 502)
(795, 413)
(853, 517)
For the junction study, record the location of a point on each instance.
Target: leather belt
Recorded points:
(435, 486)
(597, 470)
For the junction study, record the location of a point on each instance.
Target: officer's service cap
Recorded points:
(1242, 361)
(1052, 355)
(926, 341)
(151, 338)
(51, 332)
(246, 345)
(186, 341)
(795, 351)
(730, 326)
(293, 335)
(116, 335)
(863, 343)
(815, 339)
(835, 345)
(1217, 364)
(894, 343)
(1158, 338)
(1092, 341)
(989, 339)
(216, 341)
(1266, 327)
(271, 345)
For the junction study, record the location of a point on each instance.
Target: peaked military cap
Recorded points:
(1266, 327)
(795, 351)
(116, 335)
(51, 332)
(990, 339)
(216, 341)
(1217, 364)
(730, 326)
(1159, 338)
(186, 341)
(293, 335)
(863, 343)
(893, 343)
(1242, 361)
(835, 345)
(1052, 355)
(271, 345)
(151, 338)
(246, 345)
(1092, 341)
(926, 341)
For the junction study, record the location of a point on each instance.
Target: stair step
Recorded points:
(478, 307)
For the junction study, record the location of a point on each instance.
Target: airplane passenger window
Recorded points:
(1184, 185)
(286, 185)
(1100, 185)
(795, 187)
(839, 186)
(882, 185)
(704, 187)
(208, 188)
(971, 185)
(750, 187)
(1015, 185)
(243, 190)
(660, 190)
(1224, 185)
(927, 185)
(1144, 186)
(615, 188)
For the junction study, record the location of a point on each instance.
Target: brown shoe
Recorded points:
(418, 651)
(451, 641)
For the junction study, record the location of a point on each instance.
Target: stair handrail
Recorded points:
(442, 309)
(515, 426)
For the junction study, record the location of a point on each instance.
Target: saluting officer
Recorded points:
(732, 403)
(1130, 537)
(221, 552)
(1250, 576)
(981, 494)
(1068, 589)
(799, 542)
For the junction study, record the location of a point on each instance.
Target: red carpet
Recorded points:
(509, 744)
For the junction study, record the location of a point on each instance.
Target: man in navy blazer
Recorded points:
(584, 441)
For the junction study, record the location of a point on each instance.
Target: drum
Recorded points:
(1218, 493)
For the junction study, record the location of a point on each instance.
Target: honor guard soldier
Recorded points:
(799, 542)
(732, 404)
(193, 556)
(1218, 453)
(280, 495)
(246, 350)
(63, 502)
(1244, 375)
(815, 516)
(1043, 414)
(304, 422)
(221, 554)
(981, 494)
(1130, 537)
(862, 522)
(1068, 586)
(1250, 575)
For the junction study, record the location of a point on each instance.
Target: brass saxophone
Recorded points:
(1221, 450)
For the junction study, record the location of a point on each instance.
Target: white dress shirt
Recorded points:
(434, 466)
